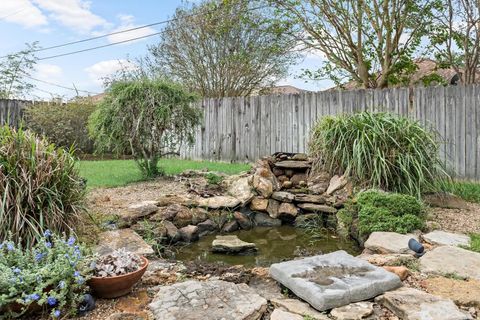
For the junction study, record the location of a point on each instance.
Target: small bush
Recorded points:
(52, 275)
(65, 125)
(374, 211)
(213, 179)
(39, 186)
(379, 150)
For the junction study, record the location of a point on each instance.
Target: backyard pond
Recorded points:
(274, 245)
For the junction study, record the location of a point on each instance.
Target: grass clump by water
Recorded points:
(40, 187)
(379, 150)
(374, 210)
(116, 173)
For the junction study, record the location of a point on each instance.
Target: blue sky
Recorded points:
(53, 22)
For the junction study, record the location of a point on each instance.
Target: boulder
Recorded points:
(353, 311)
(264, 220)
(300, 157)
(293, 164)
(313, 207)
(259, 204)
(230, 226)
(413, 304)
(318, 188)
(287, 184)
(283, 196)
(241, 190)
(272, 209)
(287, 211)
(298, 307)
(172, 232)
(464, 293)
(206, 227)
(213, 299)
(389, 242)
(243, 220)
(189, 233)
(451, 260)
(127, 239)
(183, 217)
(264, 181)
(443, 238)
(232, 245)
(219, 202)
(336, 183)
(446, 200)
(139, 210)
(333, 280)
(169, 212)
(279, 314)
(311, 198)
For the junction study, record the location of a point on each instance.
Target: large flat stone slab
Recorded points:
(389, 242)
(413, 304)
(232, 245)
(128, 239)
(451, 260)
(443, 238)
(213, 300)
(333, 280)
(293, 164)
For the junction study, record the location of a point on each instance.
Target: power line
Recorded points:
(59, 85)
(12, 14)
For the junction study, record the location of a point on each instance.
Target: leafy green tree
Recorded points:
(15, 69)
(368, 41)
(152, 118)
(225, 48)
(455, 37)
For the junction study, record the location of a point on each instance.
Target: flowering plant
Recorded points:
(52, 276)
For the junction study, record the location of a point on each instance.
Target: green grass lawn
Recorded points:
(114, 173)
(468, 191)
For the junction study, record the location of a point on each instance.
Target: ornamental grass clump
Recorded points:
(50, 277)
(379, 150)
(40, 187)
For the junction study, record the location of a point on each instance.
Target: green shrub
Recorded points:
(374, 211)
(39, 186)
(152, 118)
(379, 150)
(52, 275)
(63, 124)
(213, 179)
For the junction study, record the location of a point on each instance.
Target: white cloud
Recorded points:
(75, 14)
(48, 72)
(22, 12)
(102, 69)
(127, 22)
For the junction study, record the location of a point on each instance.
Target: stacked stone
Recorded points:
(287, 190)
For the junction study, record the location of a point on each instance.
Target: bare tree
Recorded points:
(368, 41)
(224, 48)
(455, 36)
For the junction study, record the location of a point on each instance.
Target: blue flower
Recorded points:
(56, 313)
(48, 244)
(76, 274)
(71, 241)
(47, 233)
(34, 296)
(61, 284)
(39, 256)
(16, 270)
(10, 247)
(51, 301)
(80, 280)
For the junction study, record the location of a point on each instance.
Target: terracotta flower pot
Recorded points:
(117, 286)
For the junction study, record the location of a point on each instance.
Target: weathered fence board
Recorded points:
(244, 129)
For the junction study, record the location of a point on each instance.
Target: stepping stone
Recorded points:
(213, 299)
(333, 280)
(298, 307)
(139, 210)
(451, 260)
(353, 311)
(279, 314)
(443, 238)
(128, 239)
(232, 245)
(389, 242)
(293, 164)
(413, 304)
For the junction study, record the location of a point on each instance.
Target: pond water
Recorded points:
(274, 245)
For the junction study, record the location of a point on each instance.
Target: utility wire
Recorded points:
(12, 14)
(59, 85)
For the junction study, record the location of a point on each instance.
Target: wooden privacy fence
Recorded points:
(11, 111)
(247, 128)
